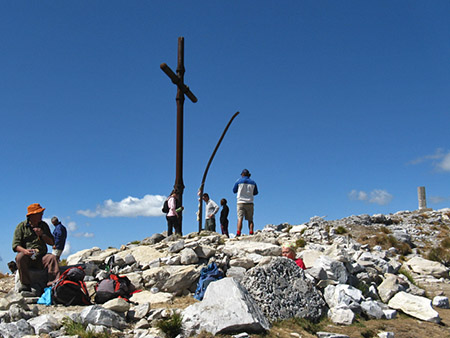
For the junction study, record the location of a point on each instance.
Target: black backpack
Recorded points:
(113, 287)
(165, 208)
(70, 288)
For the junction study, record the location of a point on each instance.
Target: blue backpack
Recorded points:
(208, 274)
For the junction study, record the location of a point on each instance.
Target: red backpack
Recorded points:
(113, 287)
(70, 288)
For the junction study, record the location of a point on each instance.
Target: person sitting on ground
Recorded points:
(60, 235)
(287, 250)
(30, 241)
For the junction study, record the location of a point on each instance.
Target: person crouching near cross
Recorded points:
(30, 241)
(287, 250)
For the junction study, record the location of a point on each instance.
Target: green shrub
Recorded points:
(439, 254)
(300, 243)
(392, 241)
(340, 230)
(381, 239)
(73, 328)
(170, 327)
(445, 243)
(408, 275)
(363, 288)
(385, 230)
(403, 248)
(308, 325)
(368, 333)
(63, 262)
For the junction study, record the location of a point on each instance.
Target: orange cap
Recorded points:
(34, 208)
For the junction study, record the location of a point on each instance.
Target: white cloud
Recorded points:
(381, 197)
(440, 160)
(376, 196)
(148, 206)
(71, 226)
(439, 153)
(67, 249)
(358, 195)
(84, 234)
(437, 199)
(444, 164)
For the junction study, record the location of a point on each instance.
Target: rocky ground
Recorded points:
(351, 262)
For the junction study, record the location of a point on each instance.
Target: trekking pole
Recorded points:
(202, 185)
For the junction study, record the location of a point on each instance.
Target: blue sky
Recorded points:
(344, 109)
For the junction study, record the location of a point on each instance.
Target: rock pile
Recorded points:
(344, 278)
(283, 291)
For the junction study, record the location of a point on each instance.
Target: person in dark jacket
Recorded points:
(224, 217)
(60, 235)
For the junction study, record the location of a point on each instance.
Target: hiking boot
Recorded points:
(24, 287)
(30, 294)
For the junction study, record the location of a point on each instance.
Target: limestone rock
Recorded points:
(242, 262)
(322, 334)
(117, 305)
(310, 256)
(415, 306)
(16, 329)
(174, 278)
(81, 256)
(44, 324)
(343, 295)
(143, 254)
(236, 272)
(188, 256)
(426, 267)
(176, 246)
(97, 315)
(335, 270)
(226, 307)
(282, 291)
(238, 248)
(390, 286)
(341, 315)
(372, 309)
(204, 251)
(144, 297)
(441, 302)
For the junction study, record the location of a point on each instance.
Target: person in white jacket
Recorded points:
(211, 210)
(246, 189)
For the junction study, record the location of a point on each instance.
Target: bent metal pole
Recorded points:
(202, 185)
(182, 89)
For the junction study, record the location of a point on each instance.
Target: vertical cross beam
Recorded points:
(182, 89)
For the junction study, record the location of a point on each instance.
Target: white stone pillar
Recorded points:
(422, 198)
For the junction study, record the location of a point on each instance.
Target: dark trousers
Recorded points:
(173, 223)
(210, 224)
(48, 262)
(224, 227)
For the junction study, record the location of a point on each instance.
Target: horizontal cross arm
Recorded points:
(176, 80)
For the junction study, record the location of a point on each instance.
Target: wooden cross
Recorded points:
(182, 89)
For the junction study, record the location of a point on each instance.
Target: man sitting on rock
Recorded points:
(287, 250)
(30, 241)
